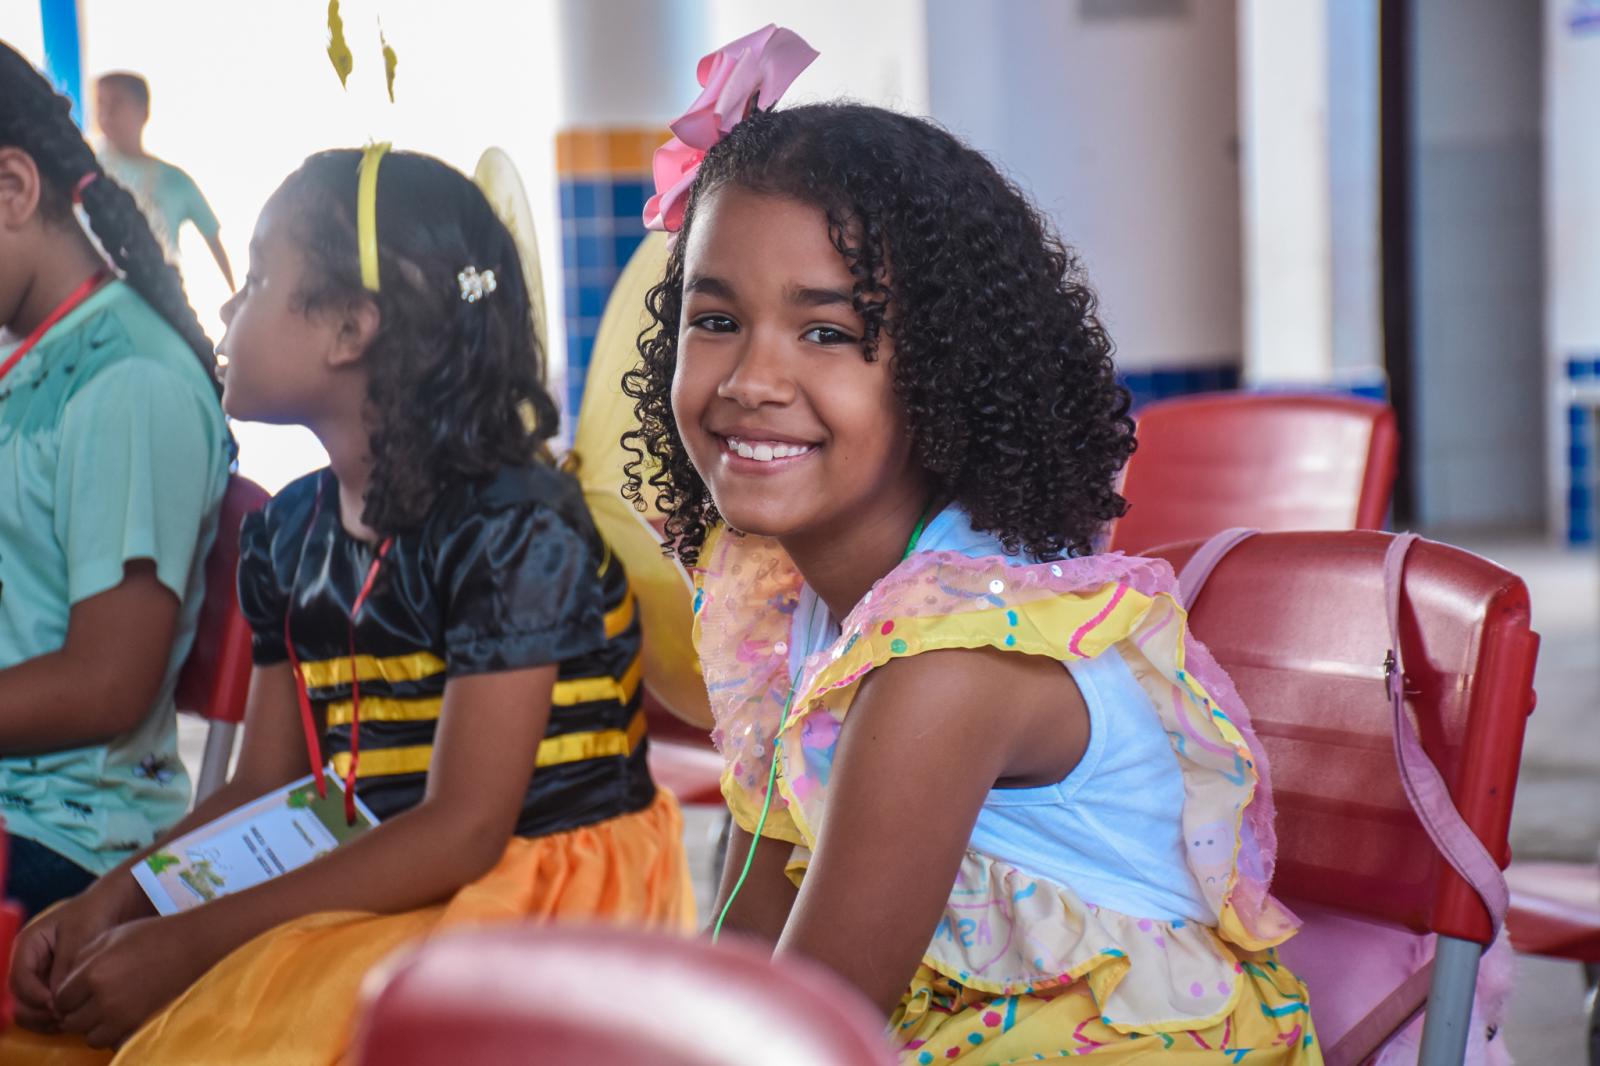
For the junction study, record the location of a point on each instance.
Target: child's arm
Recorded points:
(272, 754)
(761, 909)
(101, 682)
(129, 500)
(220, 254)
(926, 739)
(483, 757)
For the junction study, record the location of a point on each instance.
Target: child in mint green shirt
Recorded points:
(114, 454)
(166, 194)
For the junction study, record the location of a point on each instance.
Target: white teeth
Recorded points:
(766, 451)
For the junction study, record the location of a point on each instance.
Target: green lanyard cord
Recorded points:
(916, 532)
(777, 738)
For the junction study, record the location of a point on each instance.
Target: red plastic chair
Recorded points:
(1555, 911)
(519, 994)
(10, 923)
(1267, 461)
(1298, 621)
(216, 676)
(681, 756)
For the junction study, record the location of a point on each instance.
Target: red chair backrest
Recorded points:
(516, 994)
(10, 924)
(1298, 620)
(1266, 461)
(664, 725)
(216, 676)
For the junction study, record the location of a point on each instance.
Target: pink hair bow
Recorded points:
(751, 72)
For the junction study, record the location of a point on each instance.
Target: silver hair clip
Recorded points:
(476, 284)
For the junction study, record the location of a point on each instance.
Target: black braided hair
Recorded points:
(36, 119)
(1000, 360)
(455, 388)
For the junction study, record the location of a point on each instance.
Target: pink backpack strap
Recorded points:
(1192, 578)
(1383, 1022)
(1425, 788)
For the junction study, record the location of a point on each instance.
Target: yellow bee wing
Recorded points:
(665, 593)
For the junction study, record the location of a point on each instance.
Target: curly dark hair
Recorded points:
(1002, 365)
(38, 120)
(456, 388)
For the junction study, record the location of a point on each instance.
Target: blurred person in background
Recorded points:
(167, 196)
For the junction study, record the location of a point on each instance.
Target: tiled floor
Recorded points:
(1557, 813)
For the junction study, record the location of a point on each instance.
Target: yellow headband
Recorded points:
(367, 212)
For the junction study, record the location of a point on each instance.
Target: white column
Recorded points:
(1355, 191)
(1572, 251)
(1287, 211)
(1572, 176)
(629, 63)
(627, 68)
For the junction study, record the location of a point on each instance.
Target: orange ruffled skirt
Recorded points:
(289, 996)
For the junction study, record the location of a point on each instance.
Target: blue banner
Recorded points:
(63, 50)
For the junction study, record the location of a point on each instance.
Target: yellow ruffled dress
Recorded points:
(1020, 969)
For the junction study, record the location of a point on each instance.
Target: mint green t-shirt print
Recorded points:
(112, 448)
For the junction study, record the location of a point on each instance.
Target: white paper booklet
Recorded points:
(263, 839)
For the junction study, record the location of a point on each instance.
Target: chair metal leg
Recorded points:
(1449, 1010)
(214, 763)
(719, 856)
(1591, 977)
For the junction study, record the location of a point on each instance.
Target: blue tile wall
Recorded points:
(601, 226)
(1160, 383)
(1583, 419)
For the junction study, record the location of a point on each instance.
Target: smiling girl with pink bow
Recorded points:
(986, 775)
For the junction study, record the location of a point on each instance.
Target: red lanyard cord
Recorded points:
(355, 682)
(84, 290)
(307, 720)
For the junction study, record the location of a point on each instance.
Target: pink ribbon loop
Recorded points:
(751, 72)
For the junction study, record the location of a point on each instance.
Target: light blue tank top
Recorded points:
(1111, 830)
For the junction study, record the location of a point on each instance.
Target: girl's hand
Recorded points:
(48, 947)
(30, 974)
(124, 977)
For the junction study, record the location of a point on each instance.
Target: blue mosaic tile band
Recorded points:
(1584, 367)
(1583, 418)
(601, 226)
(1161, 383)
(1370, 390)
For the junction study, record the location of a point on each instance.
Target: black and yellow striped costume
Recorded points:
(505, 574)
